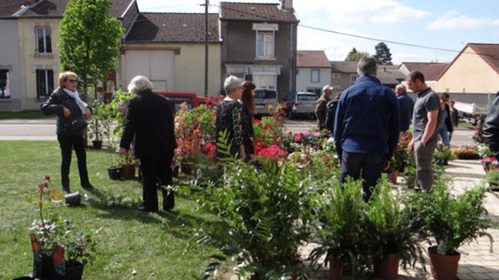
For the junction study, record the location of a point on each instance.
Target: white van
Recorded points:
(264, 98)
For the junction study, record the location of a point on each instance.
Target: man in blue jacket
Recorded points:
(366, 127)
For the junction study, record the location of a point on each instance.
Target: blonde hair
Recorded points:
(64, 76)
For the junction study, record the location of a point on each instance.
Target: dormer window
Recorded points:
(265, 41)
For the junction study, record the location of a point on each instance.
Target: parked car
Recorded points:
(177, 98)
(264, 98)
(300, 104)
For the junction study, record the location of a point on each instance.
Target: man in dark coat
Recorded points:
(490, 129)
(149, 118)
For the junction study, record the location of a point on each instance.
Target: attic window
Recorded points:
(253, 8)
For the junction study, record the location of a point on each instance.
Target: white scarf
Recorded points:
(83, 106)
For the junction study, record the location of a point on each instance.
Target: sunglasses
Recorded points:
(72, 81)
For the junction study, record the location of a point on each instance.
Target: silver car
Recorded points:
(300, 104)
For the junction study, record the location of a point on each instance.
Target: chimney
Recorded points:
(287, 5)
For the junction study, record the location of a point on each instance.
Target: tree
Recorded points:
(89, 41)
(354, 55)
(383, 55)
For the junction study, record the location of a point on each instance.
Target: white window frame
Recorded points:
(315, 76)
(49, 83)
(265, 40)
(44, 30)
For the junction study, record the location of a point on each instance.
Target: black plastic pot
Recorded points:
(114, 173)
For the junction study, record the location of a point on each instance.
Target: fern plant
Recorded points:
(264, 216)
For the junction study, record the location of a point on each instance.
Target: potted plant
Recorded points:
(452, 220)
(99, 126)
(443, 154)
(264, 218)
(395, 232)
(59, 250)
(340, 230)
(127, 165)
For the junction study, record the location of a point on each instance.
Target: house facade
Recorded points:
(169, 48)
(259, 43)
(313, 71)
(343, 74)
(475, 70)
(30, 64)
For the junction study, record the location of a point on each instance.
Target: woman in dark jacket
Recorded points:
(71, 113)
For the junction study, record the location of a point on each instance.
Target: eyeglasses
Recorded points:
(72, 81)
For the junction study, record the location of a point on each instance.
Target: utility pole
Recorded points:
(206, 48)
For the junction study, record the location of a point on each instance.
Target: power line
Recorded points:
(376, 39)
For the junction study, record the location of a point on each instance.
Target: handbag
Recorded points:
(75, 126)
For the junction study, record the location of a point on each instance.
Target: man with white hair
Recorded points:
(149, 119)
(366, 127)
(321, 107)
(406, 106)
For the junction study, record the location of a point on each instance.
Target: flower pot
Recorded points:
(393, 176)
(389, 268)
(443, 267)
(97, 144)
(127, 171)
(44, 269)
(74, 272)
(114, 172)
(73, 199)
(335, 269)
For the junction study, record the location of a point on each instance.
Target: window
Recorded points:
(44, 83)
(315, 76)
(265, 44)
(353, 78)
(264, 81)
(4, 84)
(44, 40)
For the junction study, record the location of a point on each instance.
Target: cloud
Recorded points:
(360, 11)
(455, 20)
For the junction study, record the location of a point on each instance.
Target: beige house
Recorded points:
(169, 48)
(313, 71)
(474, 70)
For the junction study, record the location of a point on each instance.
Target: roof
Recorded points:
(417, 66)
(432, 72)
(488, 52)
(312, 59)
(344, 66)
(54, 8)
(389, 75)
(173, 27)
(255, 12)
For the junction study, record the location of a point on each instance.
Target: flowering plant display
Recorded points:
(466, 152)
(118, 108)
(490, 163)
(194, 129)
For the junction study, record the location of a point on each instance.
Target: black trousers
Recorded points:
(156, 171)
(67, 143)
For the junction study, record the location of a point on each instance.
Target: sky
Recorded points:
(414, 31)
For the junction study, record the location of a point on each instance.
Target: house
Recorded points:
(475, 70)
(29, 62)
(343, 74)
(169, 48)
(259, 43)
(313, 71)
(430, 70)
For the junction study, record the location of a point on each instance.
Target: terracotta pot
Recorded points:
(443, 267)
(393, 176)
(335, 269)
(127, 171)
(389, 268)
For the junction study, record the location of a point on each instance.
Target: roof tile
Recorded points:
(255, 12)
(176, 27)
(312, 59)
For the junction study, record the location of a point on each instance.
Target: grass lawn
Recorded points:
(129, 239)
(37, 114)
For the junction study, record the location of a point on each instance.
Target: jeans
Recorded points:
(67, 142)
(444, 133)
(367, 166)
(156, 171)
(424, 158)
